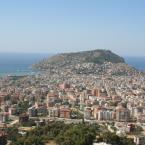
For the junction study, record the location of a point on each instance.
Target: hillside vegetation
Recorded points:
(68, 134)
(94, 56)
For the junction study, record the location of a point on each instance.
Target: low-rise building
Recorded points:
(32, 111)
(4, 116)
(3, 138)
(139, 140)
(23, 118)
(87, 113)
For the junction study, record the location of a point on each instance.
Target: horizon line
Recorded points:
(54, 53)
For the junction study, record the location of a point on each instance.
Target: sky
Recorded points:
(52, 26)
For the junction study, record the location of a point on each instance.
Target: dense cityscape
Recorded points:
(93, 90)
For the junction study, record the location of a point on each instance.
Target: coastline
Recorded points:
(22, 66)
(19, 64)
(28, 72)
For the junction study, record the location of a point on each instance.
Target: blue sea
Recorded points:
(21, 63)
(137, 62)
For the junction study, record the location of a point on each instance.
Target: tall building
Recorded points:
(53, 112)
(96, 92)
(64, 86)
(103, 114)
(51, 98)
(122, 114)
(65, 113)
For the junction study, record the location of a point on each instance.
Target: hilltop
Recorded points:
(94, 56)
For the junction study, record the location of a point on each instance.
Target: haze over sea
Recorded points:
(21, 63)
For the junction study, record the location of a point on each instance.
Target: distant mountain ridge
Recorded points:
(94, 56)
